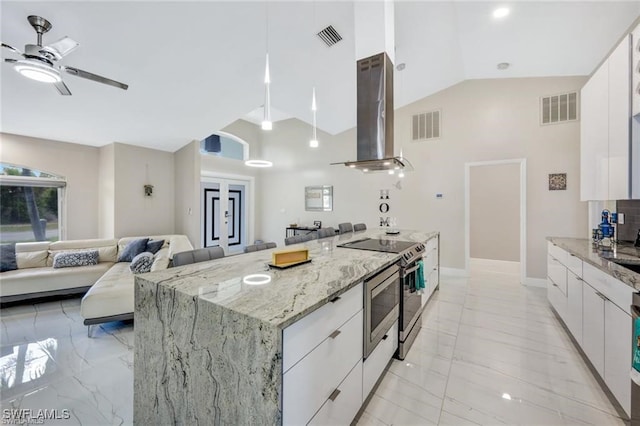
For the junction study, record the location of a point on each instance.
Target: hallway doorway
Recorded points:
(495, 216)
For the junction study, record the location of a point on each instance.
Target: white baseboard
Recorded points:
(453, 272)
(535, 282)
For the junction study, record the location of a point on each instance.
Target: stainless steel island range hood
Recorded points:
(375, 117)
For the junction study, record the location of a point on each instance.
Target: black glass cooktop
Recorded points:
(379, 244)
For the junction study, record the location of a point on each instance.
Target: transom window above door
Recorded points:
(225, 145)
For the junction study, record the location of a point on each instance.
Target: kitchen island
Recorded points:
(209, 341)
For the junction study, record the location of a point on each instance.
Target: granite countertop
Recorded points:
(601, 259)
(291, 293)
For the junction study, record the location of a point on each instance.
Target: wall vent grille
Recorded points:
(559, 108)
(330, 36)
(426, 126)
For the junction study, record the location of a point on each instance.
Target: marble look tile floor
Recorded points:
(490, 352)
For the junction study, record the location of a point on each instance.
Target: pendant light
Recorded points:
(313, 143)
(266, 121)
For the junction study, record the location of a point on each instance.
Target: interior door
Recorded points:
(225, 214)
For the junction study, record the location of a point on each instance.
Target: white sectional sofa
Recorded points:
(110, 284)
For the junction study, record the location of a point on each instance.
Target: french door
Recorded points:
(225, 214)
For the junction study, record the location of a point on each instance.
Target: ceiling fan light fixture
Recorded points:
(38, 72)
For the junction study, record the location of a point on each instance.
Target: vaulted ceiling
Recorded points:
(195, 67)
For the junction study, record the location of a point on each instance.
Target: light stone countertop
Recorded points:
(584, 249)
(292, 293)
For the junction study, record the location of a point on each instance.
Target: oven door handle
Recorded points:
(410, 270)
(383, 286)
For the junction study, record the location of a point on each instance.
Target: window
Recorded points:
(30, 203)
(225, 145)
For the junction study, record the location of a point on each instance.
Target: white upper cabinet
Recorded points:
(604, 129)
(619, 115)
(594, 136)
(635, 70)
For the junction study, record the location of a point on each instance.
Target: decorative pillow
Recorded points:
(141, 263)
(154, 246)
(70, 259)
(8, 257)
(133, 249)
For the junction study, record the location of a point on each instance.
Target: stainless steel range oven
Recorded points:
(381, 306)
(410, 299)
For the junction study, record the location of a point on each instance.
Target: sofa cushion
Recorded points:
(153, 246)
(35, 280)
(8, 257)
(141, 263)
(133, 249)
(32, 255)
(107, 248)
(71, 259)
(113, 294)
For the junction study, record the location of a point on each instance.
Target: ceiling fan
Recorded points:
(39, 61)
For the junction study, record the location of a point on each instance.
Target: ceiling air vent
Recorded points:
(559, 108)
(425, 126)
(330, 36)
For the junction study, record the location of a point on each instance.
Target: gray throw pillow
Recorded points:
(133, 249)
(71, 259)
(8, 257)
(141, 263)
(154, 246)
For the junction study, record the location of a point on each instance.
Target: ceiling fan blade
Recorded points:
(90, 76)
(60, 48)
(13, 49)
(10, 60)
(62, 88)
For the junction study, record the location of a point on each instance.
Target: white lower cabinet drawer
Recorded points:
(301, 337)
(344, 402)
(616, 291)
(309, 383)
(558, 273)
(557, 299)
(558, 253)
(378, 359)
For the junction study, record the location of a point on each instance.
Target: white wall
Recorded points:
(79, 164)
(187, 191)
(135, 213)
(481, 120)
(495, 212)
(107, 192)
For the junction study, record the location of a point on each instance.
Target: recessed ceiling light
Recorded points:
(503, 65)
(500, 12)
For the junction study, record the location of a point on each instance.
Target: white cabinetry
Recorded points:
(593, 328)
(431, 268)
(619, 115)
(604, 129)
(594, 136)
(596, 309)
(574, 304)
(378, 359)
(617, 353)
(320, 353)
(635, 71)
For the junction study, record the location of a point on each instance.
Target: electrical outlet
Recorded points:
(620, 218)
